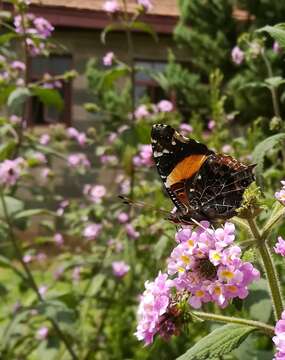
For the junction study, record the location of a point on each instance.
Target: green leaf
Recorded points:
(17, 98)
(218, 343)
(143, 27)
(261, 151)
(277, 213)
(33, 212)
(110, 28)
(274, 82)
(13, 206)
(96, 284)
(50, 97)
(111, 76)
(277, 32)
(6, 38)
(7, 149)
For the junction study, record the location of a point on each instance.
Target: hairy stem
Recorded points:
(266, 329)
(269, 269)
(29, 276)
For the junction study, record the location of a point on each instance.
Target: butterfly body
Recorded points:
(202, 185)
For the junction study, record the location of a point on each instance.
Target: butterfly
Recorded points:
(203, 185)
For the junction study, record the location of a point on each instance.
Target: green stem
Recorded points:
(29, 276)
(269, 269)
(267, 329)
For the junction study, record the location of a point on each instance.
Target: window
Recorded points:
(145, 84)
(38, 112)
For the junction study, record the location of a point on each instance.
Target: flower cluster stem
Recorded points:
(29, 276)
(269, 269)
(267, 329)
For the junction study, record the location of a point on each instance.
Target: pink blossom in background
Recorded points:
(92, 231)
(123, 217)
(16, 120)
(146, 4)
(276, 47)
(78, 160)
(120, 268)
(141, 112)
(165, 106)
(41, 257)
(46, 172)
(280, 195)
(153, 308)
(237, 55)
(27, 258)
(108, 159)
(39, 157)
(144, 158)
(43, 290)
(63, 204)
(42, 333)
(131, 231)
(76, 273)
(279, 247)
(111, 6)
(227, 149)
(95, 193)
(10, 171)
(43, 27)
(18, 65)
(112, 137)
(58, 273)
(108, 59)
(44, 139)
(122, 129)
(80, 137)
(211, 124)
(208, 265)
(118, 246)
(279, 338)
(58, 239)
(185, 129)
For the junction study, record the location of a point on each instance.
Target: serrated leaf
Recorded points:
(260, 152)
(218, 343)
(274, 81)
(277, 32)
(13, 206)
(50, 97)
(96, 284)
(17, 98)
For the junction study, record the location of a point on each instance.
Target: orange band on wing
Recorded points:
(185, 169)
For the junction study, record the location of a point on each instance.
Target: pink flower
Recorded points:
(76, 273)
(123, 217)
(120, 268)
(111, 6)
(279, 338)
(276, 47)
(145, 156)
(78, 160)
(39, 157)
(141, 112)
(153, 310)
(237, 55)
(108, 59)
(146, 4)
(44, 139)
(211, 124)
(207, 265)
(185, 129)
(92, 231)
(46, 172)
(18, 65)
(43, 27)
(131, 231)
(42, 333)
(227, 149)
(279, 247)
(165, 106)
(280, 195)
(58, 239)
(43, 289)
(95, 193)
(10, 171)
(27, 258)
(108, 159)
(80, 137)
(16, 120)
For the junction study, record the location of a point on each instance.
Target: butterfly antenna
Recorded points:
(141, 205)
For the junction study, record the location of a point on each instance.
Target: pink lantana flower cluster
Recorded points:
(280, 195)
(120, 268)
(80, 137)
(154, 308)
(208, 266)
(279, 338)
(163, 106)
(11, 170)
(111, 6)
(237, 55)
(144, 158)
(279, 247)
(95, 193)
(78, 160)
